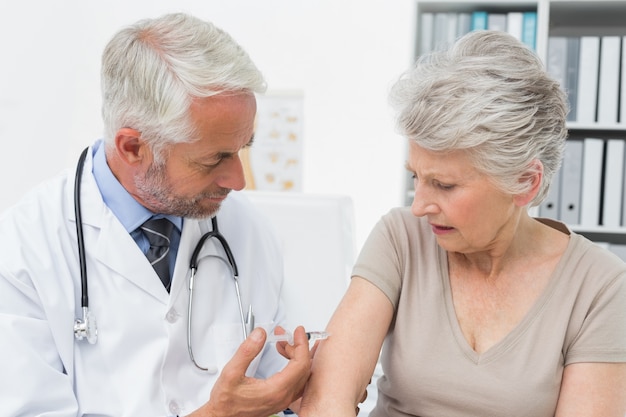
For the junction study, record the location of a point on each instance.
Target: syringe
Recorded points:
(288, 337)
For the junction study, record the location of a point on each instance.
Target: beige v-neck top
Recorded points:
(430, 369)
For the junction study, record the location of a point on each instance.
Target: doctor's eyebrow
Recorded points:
(225, 155)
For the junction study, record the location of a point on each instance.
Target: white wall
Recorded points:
(341, 54)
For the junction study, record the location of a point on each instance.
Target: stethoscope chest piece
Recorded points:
(86, 328)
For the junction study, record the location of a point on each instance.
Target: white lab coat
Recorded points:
(140, 364)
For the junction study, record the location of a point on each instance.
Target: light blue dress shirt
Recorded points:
(128, 211)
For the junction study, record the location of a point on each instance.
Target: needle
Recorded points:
(288, 337)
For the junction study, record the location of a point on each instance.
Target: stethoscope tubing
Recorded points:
(84, 298)
(193, 266)
(86, 328)
(193, 262)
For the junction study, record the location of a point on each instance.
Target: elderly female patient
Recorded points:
(480, 309)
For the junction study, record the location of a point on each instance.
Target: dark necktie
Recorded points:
(158, 232)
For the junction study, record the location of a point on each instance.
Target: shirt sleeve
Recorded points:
(602, 336)
(379, 260)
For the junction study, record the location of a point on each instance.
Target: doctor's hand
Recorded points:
(235, 394)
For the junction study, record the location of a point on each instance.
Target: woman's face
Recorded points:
(467, 213)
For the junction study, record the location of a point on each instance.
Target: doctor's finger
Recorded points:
(292, 379)
(297, 371)
(300, 342)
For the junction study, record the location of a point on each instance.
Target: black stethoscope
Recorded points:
(86, 328)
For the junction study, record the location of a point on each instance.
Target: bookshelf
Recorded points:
(603, 22)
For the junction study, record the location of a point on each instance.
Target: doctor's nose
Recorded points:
(231, 174)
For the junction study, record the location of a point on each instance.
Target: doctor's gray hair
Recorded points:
(152, 70)
(490, 95)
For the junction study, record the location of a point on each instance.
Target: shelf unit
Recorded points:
(554, 18)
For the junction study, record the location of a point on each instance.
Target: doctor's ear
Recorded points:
(130, 147)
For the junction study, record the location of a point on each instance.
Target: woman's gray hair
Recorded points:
(152, 70)
(488, 94)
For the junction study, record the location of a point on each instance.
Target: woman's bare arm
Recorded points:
(593, 389)
(344, 363)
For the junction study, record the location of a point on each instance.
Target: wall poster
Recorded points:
(274, 161)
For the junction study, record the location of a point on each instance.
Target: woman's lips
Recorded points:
(439, 229)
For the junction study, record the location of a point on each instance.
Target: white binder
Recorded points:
(571, 182)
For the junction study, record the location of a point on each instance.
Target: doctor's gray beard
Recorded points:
(159, 196)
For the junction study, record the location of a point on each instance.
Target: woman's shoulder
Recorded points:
(404, 216)
(400, 221)
(596, 256)
(585, 253)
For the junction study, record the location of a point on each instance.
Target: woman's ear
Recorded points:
(532, 178)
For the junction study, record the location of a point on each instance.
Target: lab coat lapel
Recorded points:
(117, 250)
(111, 245)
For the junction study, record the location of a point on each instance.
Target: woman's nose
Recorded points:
(423, 202)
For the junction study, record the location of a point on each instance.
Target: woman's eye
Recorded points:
(445, 186)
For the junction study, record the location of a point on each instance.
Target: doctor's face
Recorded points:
(196, 177)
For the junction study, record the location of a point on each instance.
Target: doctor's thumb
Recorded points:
(256, 340)
(247, 351)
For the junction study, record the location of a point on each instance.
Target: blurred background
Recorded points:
(333, 60)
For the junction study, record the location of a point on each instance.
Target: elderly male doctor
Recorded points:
(178, 107)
